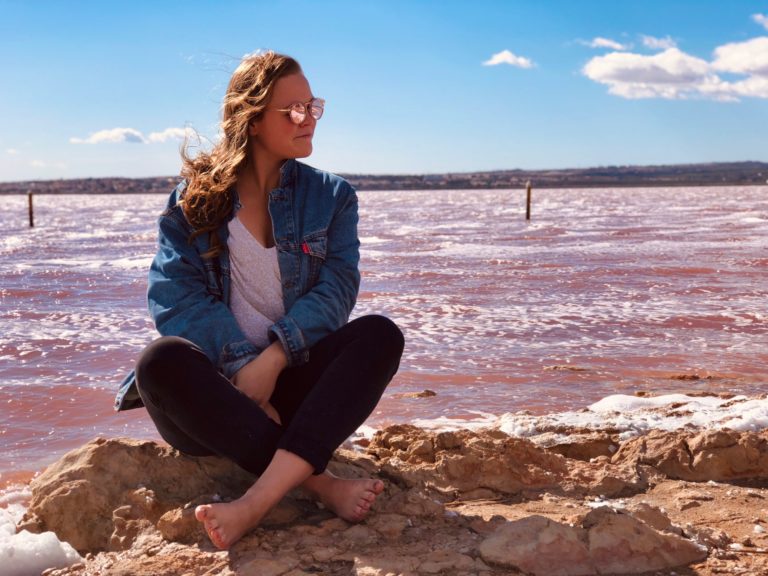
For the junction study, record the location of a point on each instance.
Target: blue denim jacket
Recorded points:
(314, 219)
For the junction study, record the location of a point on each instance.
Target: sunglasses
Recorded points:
(297, 111)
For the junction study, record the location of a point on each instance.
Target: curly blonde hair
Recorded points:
(209, 175)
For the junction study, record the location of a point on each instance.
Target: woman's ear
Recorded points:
(253, 127)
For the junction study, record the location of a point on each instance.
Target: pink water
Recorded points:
(605, 291)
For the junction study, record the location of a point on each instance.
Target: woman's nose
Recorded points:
(308, 118)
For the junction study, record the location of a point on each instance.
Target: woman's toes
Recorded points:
(217, 538)
(216, 534)
(201, 512)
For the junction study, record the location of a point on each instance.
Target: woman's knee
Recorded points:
(162, 358)
(384, 334)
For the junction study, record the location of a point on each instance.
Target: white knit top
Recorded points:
(256, 299)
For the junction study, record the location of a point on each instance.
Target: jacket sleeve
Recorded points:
(327, 305)
(181, 303)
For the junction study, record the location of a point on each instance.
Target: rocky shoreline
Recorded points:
(462, 502)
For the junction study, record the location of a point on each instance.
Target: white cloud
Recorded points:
(133, 136)
(506, 57)
(750, 57)
(752, 87)
(606, 43)
(658, 43)
(761, 19)
(37, 164)
(673, 74)
(11, 151)
(112, 135)
(169, 134)
(670, 74)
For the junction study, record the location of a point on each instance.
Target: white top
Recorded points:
(256, 299)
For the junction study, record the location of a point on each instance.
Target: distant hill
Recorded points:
(713, 174)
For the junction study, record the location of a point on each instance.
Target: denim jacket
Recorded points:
(314, 220)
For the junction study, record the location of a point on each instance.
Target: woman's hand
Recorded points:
(257, 379)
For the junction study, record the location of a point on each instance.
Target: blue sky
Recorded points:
(91, 89)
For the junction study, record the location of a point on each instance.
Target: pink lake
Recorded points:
(604, 291)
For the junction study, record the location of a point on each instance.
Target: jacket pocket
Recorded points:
(314, 248)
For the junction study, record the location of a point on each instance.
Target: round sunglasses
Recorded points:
(297, 112)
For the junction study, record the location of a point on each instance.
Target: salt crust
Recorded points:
(626, 415)
(25, 553)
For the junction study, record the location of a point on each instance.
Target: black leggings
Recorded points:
(321, 403)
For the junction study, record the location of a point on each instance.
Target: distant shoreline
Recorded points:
(709, 174)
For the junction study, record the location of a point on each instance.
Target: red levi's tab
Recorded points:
(305, 248)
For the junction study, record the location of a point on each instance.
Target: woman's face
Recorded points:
(274, 134)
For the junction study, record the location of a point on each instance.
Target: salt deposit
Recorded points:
(25, 553)
(631, 415)
(625, 415)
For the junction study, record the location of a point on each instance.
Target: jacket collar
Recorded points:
(288, 173)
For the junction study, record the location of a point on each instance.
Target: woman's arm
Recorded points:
(258, 378)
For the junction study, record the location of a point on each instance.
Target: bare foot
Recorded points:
(348, 499)
(227, 522)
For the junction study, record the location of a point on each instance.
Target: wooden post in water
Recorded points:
(31, 211)
(528, 200)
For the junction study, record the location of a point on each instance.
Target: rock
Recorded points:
(600, 479)
(717, 455)
(423, 394)
(459, 502)
(128, 523)
(608, 542)
(360, 534)
(463, 460)
(412, 503)
(687, 504)
(539, 546)
(654, 517)
(709, 537)
(263, 564)
(384, 565)
(729, 455)
(390, 526)
(76, 496)
(180, 525)
(325, 554)
(621, 544)
(332, 525)
(584, 446)
(694, 495)
(446, 560)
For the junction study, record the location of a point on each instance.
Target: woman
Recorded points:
(251, 288)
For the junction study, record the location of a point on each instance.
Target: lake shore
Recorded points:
(570, 498)
(704, 174)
